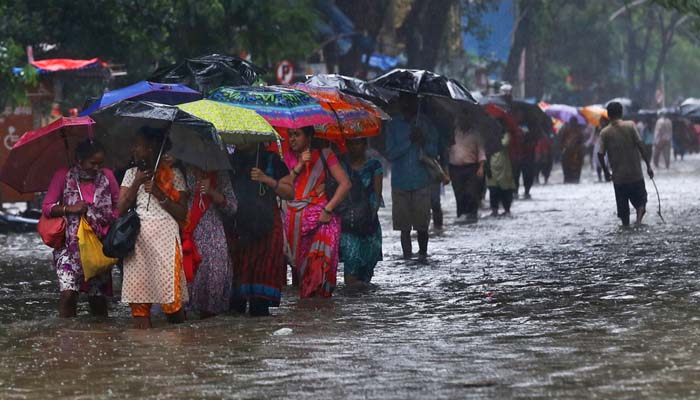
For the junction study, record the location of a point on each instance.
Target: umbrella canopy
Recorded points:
(164, 93)
(194, 140)
(422, 82)
(281, 107)
(209, 72)
(594, 113)
(499, 113)
(690, 108)
(538, 123)
(235, 125)
(355, 117)
(353, 86)
(39, 153)
(565, 113)
(628, 106)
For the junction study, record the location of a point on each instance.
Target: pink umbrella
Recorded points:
(39, 153)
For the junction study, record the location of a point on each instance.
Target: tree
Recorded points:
(144, 34)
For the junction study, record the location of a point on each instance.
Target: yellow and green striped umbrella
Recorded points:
(235, 125)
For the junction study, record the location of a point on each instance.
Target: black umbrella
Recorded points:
(690, 108)
(194, 141)
(209, 72)
(422, 82)
(538, 123)
(353, 86)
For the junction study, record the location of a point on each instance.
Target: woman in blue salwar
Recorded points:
(360, 252)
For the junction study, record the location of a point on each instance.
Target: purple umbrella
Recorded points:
(164, 93)
(565, 113)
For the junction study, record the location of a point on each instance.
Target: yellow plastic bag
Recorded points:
(91, 256)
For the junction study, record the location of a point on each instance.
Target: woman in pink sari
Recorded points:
(313, 229)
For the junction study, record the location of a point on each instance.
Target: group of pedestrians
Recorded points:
(212, 242)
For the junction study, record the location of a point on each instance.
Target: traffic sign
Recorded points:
(284, 72)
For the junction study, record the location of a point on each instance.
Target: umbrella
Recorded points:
(594, 113)
(194, 140)
(353, 86)
(163, 93)
(422, 82)
(39, 153)
(690, 108)
(355, 117)
(565, 113)
(503, 115)
(538, 123)
(209, 72)
(628, 106)
(235, 125)
(281, 107)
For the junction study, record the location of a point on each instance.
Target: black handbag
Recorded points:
(358, 217)
(121, 237)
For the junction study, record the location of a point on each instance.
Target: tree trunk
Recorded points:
(368, 17)
(423, 30)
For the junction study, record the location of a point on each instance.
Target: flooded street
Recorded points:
(557, 301)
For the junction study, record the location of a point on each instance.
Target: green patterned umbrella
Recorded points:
(235, 125)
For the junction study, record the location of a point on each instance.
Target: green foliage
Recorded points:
(145, 34)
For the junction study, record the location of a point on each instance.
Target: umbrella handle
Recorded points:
(153, 178)
(261, 187)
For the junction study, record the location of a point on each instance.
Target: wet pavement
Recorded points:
(556, 301)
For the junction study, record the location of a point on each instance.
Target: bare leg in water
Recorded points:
(422, 243)
(640, 214)
(406, 245)
(68, 304)
(98, 306)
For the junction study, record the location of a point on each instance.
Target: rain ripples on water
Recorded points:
(555, 302)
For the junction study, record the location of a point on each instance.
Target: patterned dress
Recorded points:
(211, 290)
(259, 267)
(68, 187)
(150, 271)
(314, 245)
(361, 253)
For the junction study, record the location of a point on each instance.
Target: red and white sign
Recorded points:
(284, 72)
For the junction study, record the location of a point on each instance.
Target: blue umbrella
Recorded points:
(163, 93)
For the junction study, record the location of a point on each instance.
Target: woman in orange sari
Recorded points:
(313, 230)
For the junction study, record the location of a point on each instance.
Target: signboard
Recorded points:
(284, 72)
(13, 123)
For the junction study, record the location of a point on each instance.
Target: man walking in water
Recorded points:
(624, 148)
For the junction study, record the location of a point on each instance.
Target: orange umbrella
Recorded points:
(355, 117)
(594, 113)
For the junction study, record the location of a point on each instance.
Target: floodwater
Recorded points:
(556, 302)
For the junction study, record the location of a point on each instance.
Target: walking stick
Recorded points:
(659, 200)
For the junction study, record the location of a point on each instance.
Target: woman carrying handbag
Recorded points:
(90, 191)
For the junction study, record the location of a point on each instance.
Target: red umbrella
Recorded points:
(516, 143)
(508, 118)
(39, 153)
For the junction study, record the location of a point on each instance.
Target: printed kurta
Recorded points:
(149, 275)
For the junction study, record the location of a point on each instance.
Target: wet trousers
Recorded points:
(467, 188)
(499, 196)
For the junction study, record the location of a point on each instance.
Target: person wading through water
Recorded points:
(623, 146)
